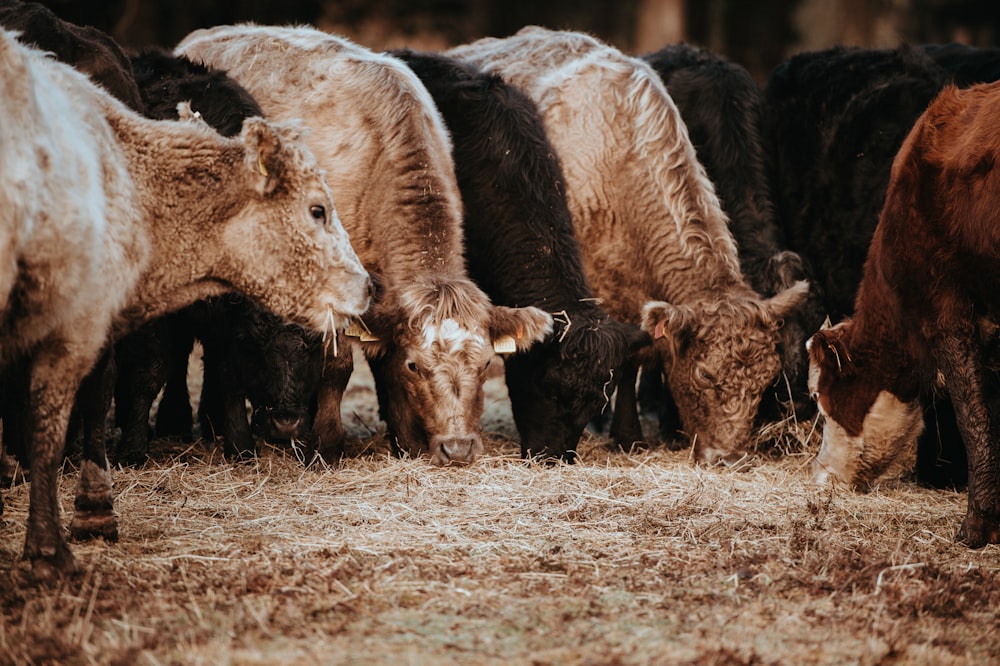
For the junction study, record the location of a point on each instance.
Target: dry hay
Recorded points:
(622, 558)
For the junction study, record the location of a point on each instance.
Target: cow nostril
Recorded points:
(459, 450)
(285, 421)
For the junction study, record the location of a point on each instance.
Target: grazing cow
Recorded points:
(722, 107)
(655, 243)
(388, 160)
(521, 250)
(836, 119)
(248, 352)
(925, 312)
(110, 219)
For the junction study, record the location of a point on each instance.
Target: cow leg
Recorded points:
(141, 375)
(327, 438)
(238, 441)
(173, 415)
(976, 397)
(670, 423)
(651, 388)
(94, 513)
(223, 406)
(626, 430)
(55, 377)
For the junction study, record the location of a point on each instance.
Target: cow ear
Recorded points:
(263, 154)
(516, 329)
(828, 350)
(676, 323)
(635, 337)
(783, 270)
(784, 302)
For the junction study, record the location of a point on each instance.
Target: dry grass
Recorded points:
(621, 559)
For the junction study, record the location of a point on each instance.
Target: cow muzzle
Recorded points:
(455, 450)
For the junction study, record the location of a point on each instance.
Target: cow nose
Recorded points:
(458, 450)
(285, 424)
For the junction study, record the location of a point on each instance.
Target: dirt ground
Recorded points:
(637, 558)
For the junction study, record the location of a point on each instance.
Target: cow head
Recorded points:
(790, 394)
(435, 346)
(286, 248)
(282, 364)
(557, 386)
(868, 432)
(720, 356)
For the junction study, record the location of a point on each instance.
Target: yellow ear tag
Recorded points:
(357, 331)
(260, 164)
(505, 345)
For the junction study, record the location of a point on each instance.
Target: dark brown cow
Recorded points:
(925, 311)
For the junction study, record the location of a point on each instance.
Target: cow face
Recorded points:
(287, 248)
(557, 386)
(869, 434)
(433, 373)
(282, 364)
(720, 357)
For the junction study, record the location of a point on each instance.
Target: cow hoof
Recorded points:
(89, 525)
(61, 564)
(675, 443)
(977, 531)
(133, 458)
(631, 447)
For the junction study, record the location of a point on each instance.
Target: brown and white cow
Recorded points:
(108, 219)
(387, 157)
(925, 312)
(655, 242)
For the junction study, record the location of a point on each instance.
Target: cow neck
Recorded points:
(699, 267)
(177, 169)
(882, 343)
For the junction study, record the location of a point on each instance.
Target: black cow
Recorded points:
(835, 120)
(249, 353)
(722, 107)
(86, 48)
(967, 65)
(521, 250)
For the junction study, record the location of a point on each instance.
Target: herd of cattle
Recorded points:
(286, 197)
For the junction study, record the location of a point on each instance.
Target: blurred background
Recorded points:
(758, 34)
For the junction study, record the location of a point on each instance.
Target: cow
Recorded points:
(249, 353)
(88, 49)
(520, 248)
(655, 243)
(835, 120)
(387, 156)
(723, 108)
(925, 312)
(110, 219)
(103, 60)
(967, 65)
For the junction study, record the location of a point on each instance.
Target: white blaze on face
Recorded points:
(450, 334)
(887, 446)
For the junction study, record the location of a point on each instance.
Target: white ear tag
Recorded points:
(505, 345)
(355, 330)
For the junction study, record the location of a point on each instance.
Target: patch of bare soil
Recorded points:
(623, 558)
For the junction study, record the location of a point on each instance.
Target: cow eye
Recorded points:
(411, 366)
(318, 213)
